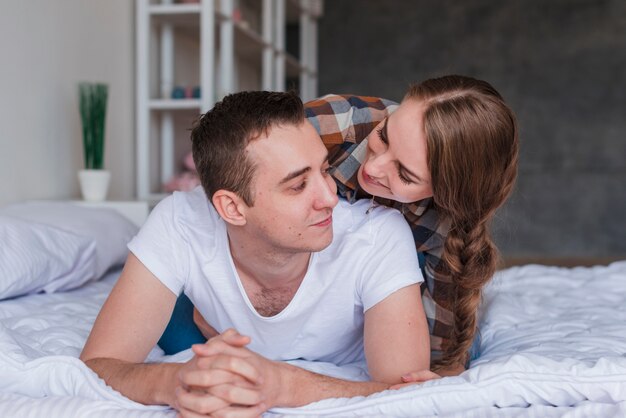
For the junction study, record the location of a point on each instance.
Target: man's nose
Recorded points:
(326, 194)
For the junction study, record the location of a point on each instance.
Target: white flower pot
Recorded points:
(94, 184)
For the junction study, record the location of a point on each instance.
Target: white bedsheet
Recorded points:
(553, 345)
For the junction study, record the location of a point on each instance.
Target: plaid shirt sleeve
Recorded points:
(344, 122)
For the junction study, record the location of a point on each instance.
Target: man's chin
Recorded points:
(321, 244)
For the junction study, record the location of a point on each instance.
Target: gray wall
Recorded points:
(560, 64)
(46, 49)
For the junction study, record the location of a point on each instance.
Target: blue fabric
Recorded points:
(421, 257)
(181, 332)
(474, 351)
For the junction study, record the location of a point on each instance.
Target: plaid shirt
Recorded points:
(344, 123)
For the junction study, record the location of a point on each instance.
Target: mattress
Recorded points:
(553, 344)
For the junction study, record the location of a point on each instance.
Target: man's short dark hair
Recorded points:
(220, 137)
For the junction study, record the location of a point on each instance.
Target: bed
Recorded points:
(553, 340)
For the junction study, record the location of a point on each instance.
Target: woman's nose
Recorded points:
(375, 166)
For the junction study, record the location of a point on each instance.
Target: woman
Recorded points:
(447, 158)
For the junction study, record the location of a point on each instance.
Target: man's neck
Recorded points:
(260, 265)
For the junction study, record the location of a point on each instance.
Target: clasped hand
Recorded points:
(225, 379)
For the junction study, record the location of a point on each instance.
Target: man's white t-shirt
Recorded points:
(184, 243)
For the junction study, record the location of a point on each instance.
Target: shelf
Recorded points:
(295, 7)
(253, 45)
(177, 14)
(293, 66)
(250, 35)
(175, 104)
(174, 9)
(249, 44)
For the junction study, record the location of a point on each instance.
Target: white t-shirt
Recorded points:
(184, 243)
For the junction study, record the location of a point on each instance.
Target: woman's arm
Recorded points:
(396, 336)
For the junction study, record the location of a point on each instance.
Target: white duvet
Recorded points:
(553, 345)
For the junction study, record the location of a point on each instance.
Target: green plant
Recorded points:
(93, 107)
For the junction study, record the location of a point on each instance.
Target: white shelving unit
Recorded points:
(220, 46)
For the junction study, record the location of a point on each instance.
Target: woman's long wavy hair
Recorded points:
(472, 143)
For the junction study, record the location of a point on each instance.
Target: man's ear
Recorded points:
(230, 207)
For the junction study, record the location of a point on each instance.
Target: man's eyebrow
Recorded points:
(300, 172)
(294, 174)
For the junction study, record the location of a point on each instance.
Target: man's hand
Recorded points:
(233, 389)
(226, 379)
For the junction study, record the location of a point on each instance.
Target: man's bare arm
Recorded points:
(149, 384)
(305, 387)
(128, 326)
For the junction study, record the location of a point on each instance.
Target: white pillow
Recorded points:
(110, 230)
(36, 257)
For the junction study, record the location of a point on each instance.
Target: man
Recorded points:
(254, 251)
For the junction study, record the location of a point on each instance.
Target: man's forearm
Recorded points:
(149, 384)
(304, 387)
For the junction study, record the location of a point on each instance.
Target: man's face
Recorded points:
(294, 195)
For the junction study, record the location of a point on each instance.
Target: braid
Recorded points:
(472, 145)
(471, 258)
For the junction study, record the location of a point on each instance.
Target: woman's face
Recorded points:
(395, 165)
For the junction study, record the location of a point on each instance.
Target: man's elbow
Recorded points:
(94, 363)
(88, 354)
(84, 356)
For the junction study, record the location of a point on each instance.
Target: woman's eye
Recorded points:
(381, 135)
(403, 178)
(328, 170)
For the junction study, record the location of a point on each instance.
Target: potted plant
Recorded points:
(94, 179)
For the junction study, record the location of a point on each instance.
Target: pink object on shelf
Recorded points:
(182, 182)
(185, 181)
(188, 161)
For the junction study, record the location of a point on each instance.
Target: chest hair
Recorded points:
(270, 302)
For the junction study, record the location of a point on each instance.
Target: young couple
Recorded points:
(280, 269)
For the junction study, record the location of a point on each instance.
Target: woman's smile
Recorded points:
(369, 179)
